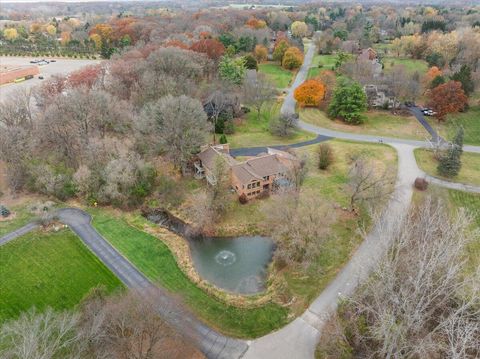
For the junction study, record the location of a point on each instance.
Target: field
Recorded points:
(469, 173)
(44, 269)
(154, 259)
(377, 123)
(327, 62)
(411, 65)
(20, 216)
(280, 77)
(254, 131)
(469, 120)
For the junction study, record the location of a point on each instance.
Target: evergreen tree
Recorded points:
(348, 102)
(450, 164)
(4, 212)
(464, 76)
(223, 139)
(458, 140)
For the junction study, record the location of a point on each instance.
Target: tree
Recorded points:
(250, 62)
(310, 93)
(283, 125)
(395, 314)
(366, 185)
(437, 81)
(299, 29)
(325, 156)
(223, 139)
(464, 76)
(178, 126)
(257, 91)
(447, 98)
(280, 49)
(214, 49)
(299, 225)
(431, 74)
(10, 33)
(260, 53)
(232, 70)
(292, 59)
(329, 79)
(449, 164)
(348, 102)
(51, 30)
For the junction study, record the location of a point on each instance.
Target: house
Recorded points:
(371, 56)
(252, 177)
(380, 96)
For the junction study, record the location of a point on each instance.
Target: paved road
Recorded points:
(210, 342)
(253, 151)
(426, 125)
(288, 106)
(17, 233)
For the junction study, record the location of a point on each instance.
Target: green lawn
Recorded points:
(469, 120)
(253, 131)
(154, 259)
(279, 76)
(377, 123)
(411, 65)
(48, 269)
(21, 216)
(469, 173)
(320, 63)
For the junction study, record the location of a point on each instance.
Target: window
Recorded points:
(249, 186)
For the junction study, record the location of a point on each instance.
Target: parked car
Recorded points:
(40, 77)
(53, 60)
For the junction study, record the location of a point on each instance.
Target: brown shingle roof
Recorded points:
(209, 155)
(265, 165)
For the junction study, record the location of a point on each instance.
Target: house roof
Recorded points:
(210, 154)
(265, 165)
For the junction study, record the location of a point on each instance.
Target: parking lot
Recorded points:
(60, 66)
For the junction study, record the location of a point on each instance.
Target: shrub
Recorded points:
(223, 139)
(292, 59)
(421, 184)
(4, 211)
(325, 156)
(243, 198)
(283, 126)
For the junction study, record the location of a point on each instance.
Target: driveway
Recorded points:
(210, 342)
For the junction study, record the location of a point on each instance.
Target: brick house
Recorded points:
(263, 173)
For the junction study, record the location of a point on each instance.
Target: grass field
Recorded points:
(155, 260)
(469, 120)
(254, 131)
(48, 269)
(21, 217)
(280, 77)
(327, 62)
(469, 173)
(411, 65)
(377, 123)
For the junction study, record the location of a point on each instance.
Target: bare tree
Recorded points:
(129, 326)
(420, 303)
(257, 90)
(176, 125)
(299, 225)
(40, 336)
(366, 184)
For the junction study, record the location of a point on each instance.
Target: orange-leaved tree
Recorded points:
(292, 59)
(447, 98)
(310, 93)
(214, 49)
(432, 73)
(260, 53)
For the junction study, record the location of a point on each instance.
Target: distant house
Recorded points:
(371, 56)
(380, 96)
(263, 173)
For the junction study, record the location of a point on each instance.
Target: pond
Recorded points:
(236, 265)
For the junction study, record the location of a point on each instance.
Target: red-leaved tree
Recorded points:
(447, 98)
(214, 49)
